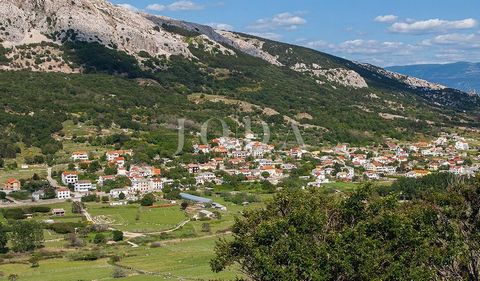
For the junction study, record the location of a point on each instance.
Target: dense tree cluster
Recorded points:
(369, 235)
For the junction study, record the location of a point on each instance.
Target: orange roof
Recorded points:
(69, 173)
(12, 180)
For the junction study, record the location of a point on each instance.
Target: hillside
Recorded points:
(464, 76)
(89, 60)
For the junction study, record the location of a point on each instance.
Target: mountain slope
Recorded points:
(464, 76)
(328, 98)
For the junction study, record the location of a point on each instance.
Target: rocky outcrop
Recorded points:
(344, 77)
(86, 20)
(412, 82)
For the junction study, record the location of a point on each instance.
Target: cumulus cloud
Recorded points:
(386, 18)
(455, 39)
(432, 25)
(374, 47)
(286, 21)
(128, 7)
(220, 26)
(181, 5)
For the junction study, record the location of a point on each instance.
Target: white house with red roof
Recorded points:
(69, 177)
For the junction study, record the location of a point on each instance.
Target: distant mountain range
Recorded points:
(464, 76)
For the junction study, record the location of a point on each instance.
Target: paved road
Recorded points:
(51, 180)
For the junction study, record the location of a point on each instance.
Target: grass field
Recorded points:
(22, 173)
(149, 219)
(182, 260)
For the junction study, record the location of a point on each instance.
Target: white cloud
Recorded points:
(373, 47)
(156, 7)
(181, 5)
(386, 18)
(432, 25)
(455, 39)
(220, 26)
(320, 45)
(128, 7)
(286, 21)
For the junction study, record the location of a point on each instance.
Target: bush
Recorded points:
(147, 200)
(14, 214)
(40, 209)
(86, 256)
(155, 245)
(117, 235)
(90, 198)
(99, 238)
(118, 273)
(65, 227)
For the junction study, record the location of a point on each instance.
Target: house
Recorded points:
(141, 185)
(37, 195)
(69, 177)
(79, 156)
(461, 145)
(12, 184)
(202, 214)
(83, 186)
(417, 173)
(58, 212)
(112, 155)
(203, 148)
(102, 179)
(63, 193)
(193, 168)
(203, 178)
(371, 175)
(115, 193)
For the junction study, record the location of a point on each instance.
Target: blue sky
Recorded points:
(382, 32)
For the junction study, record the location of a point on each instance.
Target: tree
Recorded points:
(3, 195)
(313, 235)
(26, 236)
(265, 175)
(3, 239)
(34, 260)
(147, 200)
(205, 227)
(117, 235)
(77, 207)
(184, 205)
(121, 196)
(99, 238)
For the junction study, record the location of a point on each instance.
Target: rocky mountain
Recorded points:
(331, 98)
(464, 76)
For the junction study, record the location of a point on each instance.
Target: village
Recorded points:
(249, 160)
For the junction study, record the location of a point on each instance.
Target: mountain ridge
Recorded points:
(350, 101)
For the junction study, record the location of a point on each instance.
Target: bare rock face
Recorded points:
(344, 77)
(412, 82)
(250, 46)
(86, 20)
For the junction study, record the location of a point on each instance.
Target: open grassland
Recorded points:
(135, 218)
(181, 260)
